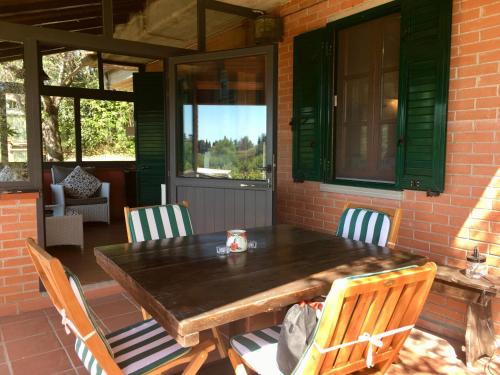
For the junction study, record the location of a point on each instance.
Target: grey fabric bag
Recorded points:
(296, 332)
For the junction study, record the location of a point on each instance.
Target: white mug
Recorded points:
(237, 240)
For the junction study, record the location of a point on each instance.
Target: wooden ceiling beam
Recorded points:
(67, 13)
(16, 11)
(54, 16)
(16, 32)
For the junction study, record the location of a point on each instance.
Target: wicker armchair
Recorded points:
(95, 208)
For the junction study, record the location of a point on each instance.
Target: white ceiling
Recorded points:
(173, 22)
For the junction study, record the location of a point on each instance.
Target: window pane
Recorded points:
(118, 77)
(71, 68)
(223, 115)
(58, 129)
(107, 130)
(367, 82)
(13, 137)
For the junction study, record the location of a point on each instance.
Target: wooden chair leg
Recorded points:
(199, 355)
(145, 314)
(237, 363)
(221, 347)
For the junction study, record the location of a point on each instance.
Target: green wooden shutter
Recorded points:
(424, 76)
(309, 58)
(149, 104)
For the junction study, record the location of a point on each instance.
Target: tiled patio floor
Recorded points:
(36, 344)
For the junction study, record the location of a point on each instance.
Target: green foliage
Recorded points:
(104, 123)
(104, 126)
(242, 158)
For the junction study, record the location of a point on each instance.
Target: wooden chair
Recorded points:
(143, 348)
(371, 224)
(365, 322)
(159, 222)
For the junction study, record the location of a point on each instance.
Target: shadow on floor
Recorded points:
(83, 264)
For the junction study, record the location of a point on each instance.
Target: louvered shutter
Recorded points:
(149, 104)
(424, 77)
(309, 57)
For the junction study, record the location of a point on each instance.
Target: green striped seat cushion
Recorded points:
(365, 225)
(153, 223)
(137, 349)
(258, 349)
(74, 282)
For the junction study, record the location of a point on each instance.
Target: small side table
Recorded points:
(64, 230)
(478, 294)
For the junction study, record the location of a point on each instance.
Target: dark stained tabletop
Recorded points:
(187, 287)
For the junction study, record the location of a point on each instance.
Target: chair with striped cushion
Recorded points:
(369, 224)
(158, 222)
(143, 348)
(364, 323)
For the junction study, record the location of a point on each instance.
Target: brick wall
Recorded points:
(443, 228)
(18, 278)
(19, 284)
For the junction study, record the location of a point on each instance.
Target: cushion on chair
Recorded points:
(365, 225)
(59, 173)
(86, 201)
(137, 349)
(80, 184)
(152, 223)
(74, 282)
(258, 349)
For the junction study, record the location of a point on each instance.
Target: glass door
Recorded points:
(221, 146)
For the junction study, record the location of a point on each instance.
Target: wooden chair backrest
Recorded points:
(127, 210)
(394, 215)
(61, 293)
(39, 256)
(372, 304)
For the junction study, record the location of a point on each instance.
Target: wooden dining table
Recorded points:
(188, 288)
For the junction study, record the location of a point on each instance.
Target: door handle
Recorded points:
(247, 185)
(144, 167)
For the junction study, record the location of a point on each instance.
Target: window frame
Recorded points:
(331, 91)
(33, 181)
(79, 93)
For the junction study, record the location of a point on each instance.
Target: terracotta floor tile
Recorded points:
(68, 372)
(65, 338)
(43, 364)
(105, 300)
(26, 328)
(70, 350)
(114, 308)
(42, 343)
(5, 320)
(4, 369)
(121, 321)
(3, 358)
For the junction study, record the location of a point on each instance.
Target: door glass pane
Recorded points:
(107, 130)
(13, 137)
(58, 129)
(222, 114)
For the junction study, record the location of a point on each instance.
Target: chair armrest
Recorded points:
(57, 194)
(104, 190)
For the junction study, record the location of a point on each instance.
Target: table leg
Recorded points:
(221, 347)
(479, 335)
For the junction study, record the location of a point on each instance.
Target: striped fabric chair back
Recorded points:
(365, 225)
(158, 222)
(76, 314)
